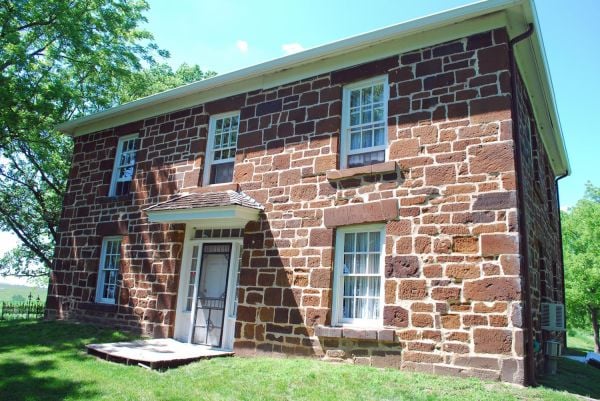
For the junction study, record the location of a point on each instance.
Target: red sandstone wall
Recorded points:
(542, 222)
(452, 288)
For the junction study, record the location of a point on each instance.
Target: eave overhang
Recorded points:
(227, 209)
(220, 217)
(459, 22)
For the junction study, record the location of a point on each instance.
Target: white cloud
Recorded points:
(291, 48)
(242, 46)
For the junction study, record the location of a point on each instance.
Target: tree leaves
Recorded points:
(581, 249)
(61, 59)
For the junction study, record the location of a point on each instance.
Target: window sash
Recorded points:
(108, 270)
(124, 168)
(358, 286)
(222, 145)
(192, 279)
(371, 131)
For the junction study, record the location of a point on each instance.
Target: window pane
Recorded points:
(374, 290)
(374, 241)
(367, 139)
(125, 174)
(355, 142)
(348, 304)
(122, 187)
(373, 263)
(362, 242)
(349, 264)
(362, 286)
(378, 114)
(379, 137)
(366, 116)
(221, 173)
(355, 98)
(378, 93)
(361, 311)
(349, 242)
(361, 264)
(366, 96)
(349, 287)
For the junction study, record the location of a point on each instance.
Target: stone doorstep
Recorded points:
(156, 353)
(379, 168)
(356, 333)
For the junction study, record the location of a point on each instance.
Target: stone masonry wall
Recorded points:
(447, 197)
(542, 222)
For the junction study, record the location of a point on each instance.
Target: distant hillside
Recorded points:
(10, 292)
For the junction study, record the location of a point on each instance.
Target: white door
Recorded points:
(207, 324)
(208, 287)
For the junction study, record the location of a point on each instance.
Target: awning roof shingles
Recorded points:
(206, 200)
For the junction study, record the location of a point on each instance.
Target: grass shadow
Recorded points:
(574, 377)
(34, 352)
(34, 381)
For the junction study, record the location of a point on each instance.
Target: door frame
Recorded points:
(230, 311)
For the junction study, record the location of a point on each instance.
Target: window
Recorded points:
(358, 275)
(220, 154)
(192, 279)
(364, 123)
(124, 165)
(110, 257)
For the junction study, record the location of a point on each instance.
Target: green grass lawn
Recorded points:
(46, 361)
(580, 341)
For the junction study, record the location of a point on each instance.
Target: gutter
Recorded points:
(523, 243)
(562, 257)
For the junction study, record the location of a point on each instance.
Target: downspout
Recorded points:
(523, 243)
(562, 257)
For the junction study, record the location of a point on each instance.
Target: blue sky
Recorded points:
(228, 35)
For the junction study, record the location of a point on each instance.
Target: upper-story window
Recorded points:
(364, 123)
(220, 151)
(124, 168)
(110, 258)
(358, 275)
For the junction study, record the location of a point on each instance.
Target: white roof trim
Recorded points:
(207, 217)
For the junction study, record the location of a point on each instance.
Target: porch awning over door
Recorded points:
(226, 209)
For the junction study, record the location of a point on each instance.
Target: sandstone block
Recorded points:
(493, 289)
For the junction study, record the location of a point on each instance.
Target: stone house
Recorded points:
(388, 199)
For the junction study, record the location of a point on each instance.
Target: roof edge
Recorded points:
(430, 22)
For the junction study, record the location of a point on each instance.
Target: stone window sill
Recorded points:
(373, 169)
(115, 199)
(230, 186)
(99, 307)
(356, 333)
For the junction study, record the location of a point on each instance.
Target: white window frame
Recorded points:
(209, 154)
(117, 163)
(102, 269)
(338, 287)
(345, 129)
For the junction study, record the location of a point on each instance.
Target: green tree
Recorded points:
(581, 245)
(18, 298)
(159, 78)
(61, 59)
